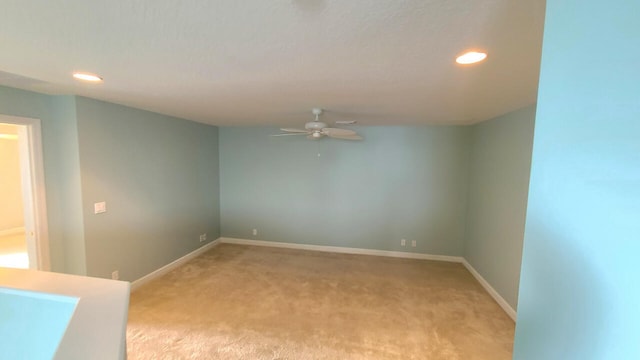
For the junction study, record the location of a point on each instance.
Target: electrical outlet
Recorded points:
(100, 207)
(403, 242)
(255, 232)
(413, 243)
(115, 275)
(203, 237)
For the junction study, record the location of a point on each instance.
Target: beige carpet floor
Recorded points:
(245, 302)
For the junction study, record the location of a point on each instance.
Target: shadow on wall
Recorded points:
(550, 294)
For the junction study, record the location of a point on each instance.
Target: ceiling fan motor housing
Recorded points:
(315, 125)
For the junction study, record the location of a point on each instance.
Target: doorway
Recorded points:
(23, 222)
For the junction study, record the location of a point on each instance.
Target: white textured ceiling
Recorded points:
(258, 62)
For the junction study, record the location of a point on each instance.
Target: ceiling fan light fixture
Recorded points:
(471, 57)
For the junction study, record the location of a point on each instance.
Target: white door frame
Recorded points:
(33, 190)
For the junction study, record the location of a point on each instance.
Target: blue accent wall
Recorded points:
(158, 175)
(32, 324)
(498, 188)
(399, 182)
(67, 193)
(579, 290)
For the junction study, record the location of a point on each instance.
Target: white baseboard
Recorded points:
(12, 231)
(333, 249)
(165, 269)
(494, 294)
(342, 250)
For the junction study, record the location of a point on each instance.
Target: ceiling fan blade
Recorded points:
(290, 134)
(345, 122)
(338, 132)
(346, 137)
(292, 130)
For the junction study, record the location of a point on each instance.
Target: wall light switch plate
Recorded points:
(100, 207)
(413, 243)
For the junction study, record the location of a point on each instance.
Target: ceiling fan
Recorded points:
(317, 129)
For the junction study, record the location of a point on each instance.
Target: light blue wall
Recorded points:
(67, 194)
(158, 174)
(498, 189)
(400, 182)
(32, 324)
(579, 290)
(159, 178)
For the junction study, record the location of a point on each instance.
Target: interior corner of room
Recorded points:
(450, 191)
(538, 202)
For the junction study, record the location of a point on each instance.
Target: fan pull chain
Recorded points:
(318, 143)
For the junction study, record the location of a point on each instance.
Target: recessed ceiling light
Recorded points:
(87, 77)
(471, 57)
